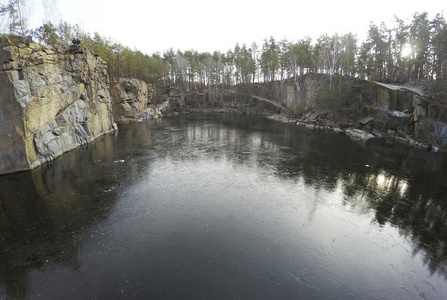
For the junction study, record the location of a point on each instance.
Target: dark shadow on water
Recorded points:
(405, 187)
(46, 215)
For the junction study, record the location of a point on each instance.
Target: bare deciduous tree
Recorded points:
(329, 55)
(51, 11)
(12, 17)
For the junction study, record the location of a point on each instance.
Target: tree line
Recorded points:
(409, 50)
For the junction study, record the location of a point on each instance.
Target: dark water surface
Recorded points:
(226, 207)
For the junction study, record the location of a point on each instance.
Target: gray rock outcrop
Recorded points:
(134, 100)
(405, 111)
(131, 96)
(52, 100)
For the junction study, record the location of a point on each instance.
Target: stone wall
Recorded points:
(52, 100)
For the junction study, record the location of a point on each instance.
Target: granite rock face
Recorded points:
(131, 97)
(52, 100)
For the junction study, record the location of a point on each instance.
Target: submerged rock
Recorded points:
(359, 134)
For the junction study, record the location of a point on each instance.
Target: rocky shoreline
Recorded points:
(357, 134)
(407, 113)
(54, 99)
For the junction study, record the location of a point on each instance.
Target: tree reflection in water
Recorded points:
(46, 215)
(405, 187)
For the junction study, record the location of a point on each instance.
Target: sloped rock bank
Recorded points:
(222, 100)
(407, 113)
(52, 100)
(394, 112)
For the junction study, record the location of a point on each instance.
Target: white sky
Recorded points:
(207, 25)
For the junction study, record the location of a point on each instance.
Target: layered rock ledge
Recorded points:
(52, 100)
(134, 100)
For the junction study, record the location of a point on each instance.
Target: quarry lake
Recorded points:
(227, 207)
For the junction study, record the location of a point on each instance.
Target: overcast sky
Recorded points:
(207, 25)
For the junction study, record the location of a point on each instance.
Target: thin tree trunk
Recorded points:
(20, 17)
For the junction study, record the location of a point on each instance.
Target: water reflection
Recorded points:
(403, 187)
(46, 215)
(51, 214)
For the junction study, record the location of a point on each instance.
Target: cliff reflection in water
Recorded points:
(47, 214)
(402, 186)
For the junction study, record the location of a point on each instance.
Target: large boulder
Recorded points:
(52, 100)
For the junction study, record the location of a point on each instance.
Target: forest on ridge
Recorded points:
(407, 50)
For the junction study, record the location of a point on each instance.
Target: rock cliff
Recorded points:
(403, 112)
(134, 100)
(52, 100)
(130, 96)
(222, 100)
